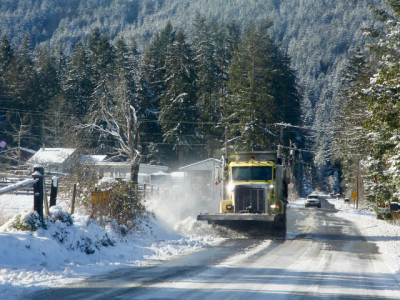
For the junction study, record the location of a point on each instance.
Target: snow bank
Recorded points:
(65, 252)
(386, 236)
(11, 204)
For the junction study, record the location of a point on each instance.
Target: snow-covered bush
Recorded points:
(383, 213)
(27, 221)
(126, 208)
(57, 214)
(87, 245)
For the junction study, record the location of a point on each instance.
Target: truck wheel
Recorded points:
(278, 227)
(319, 205)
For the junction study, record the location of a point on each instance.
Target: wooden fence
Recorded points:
(38, 186)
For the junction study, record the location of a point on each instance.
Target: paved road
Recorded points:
(323, 257)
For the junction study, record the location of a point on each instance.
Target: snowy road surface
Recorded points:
(322, 257)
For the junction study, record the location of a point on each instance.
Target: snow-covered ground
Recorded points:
(32, 260)
(386, 236)
(44, 258)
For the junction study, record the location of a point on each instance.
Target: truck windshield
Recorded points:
(252, 173)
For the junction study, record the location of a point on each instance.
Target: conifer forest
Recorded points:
(325, 72)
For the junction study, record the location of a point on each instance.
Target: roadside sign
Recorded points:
(354, 195)
(101, 197)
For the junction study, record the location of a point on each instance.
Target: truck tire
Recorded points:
(278, 227)
(319, 205)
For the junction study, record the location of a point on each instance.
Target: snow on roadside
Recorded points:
(250, 251)
(11, 204)
(32, 260)
(386, 236)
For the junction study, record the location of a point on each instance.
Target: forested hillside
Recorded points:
(170, 104)
(316, 35)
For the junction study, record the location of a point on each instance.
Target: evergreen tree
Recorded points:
(350, 137)
(6, 59)
(23, 91)
(154, 61)
(78, 84)
(6, 53)
(48, 76)
(101, 55)
(209, 60)
(250, 105)
(207, 70)
(179, 113)
(26, 91)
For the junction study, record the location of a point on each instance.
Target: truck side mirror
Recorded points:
(217, 174)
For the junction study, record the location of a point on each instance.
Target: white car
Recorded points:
(313, 200)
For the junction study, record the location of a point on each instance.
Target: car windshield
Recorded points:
(252, 173)
(312, 197)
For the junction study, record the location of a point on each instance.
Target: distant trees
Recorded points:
(368, 126)
(262, 90)
(173, 100)
(179, 112)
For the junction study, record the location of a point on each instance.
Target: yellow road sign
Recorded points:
(354, 195)
(101, 197)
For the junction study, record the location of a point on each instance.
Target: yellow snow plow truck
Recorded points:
(255, 190)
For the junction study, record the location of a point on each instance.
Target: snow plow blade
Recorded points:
(252, 225)
(236, 217)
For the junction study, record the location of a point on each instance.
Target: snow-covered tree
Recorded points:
(179, 113)
(115, 118)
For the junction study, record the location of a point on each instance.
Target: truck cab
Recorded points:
(254, 193)
(252, 185)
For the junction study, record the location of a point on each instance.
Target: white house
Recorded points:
(53, 159)
(123, 170)
(58, 160)
(202, 172)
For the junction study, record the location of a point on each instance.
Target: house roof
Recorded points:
(51, 156)
(98, 157)
(204, 165)
(143, 168)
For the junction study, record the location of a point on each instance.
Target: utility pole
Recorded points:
(180, 154)
(224, 163)
(300, 176)
(358, 174)
(289, 160)
(226, 142)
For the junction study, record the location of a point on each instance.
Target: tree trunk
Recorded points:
(134, 173)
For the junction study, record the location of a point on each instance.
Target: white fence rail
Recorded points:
(17, 186)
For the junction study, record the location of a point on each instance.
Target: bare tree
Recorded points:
(56, 128)
(115, 117)
(21, 126)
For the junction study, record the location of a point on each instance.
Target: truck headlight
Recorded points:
(228, 207)
(230, 187)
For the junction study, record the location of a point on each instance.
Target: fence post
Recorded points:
(53, 191)
(144, 191)
(45, 203)
(136, 191)
(73, 199)
(151, 190)
(38, 176)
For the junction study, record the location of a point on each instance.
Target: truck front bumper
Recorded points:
(237, 217)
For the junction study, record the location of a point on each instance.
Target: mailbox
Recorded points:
(394, 206)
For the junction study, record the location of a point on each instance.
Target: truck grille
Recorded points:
(246, 197)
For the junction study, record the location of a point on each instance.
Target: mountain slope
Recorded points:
(317, 34)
